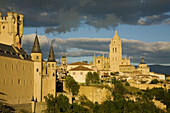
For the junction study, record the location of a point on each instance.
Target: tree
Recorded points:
(92, 78)
(72, 85)
(63, 103)
(127, 84)
(89, 78)
(154, 81)
(79, 109)
(95, 77)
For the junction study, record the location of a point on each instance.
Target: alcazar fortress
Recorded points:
(25, 78)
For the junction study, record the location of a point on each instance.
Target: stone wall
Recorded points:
(95, 94)
(16, 80)
(19, 107)
(150, 86)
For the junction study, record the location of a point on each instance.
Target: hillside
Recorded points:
(160, 69)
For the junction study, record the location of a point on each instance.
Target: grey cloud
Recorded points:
(155, 19)
(157, 52)
(67, 15)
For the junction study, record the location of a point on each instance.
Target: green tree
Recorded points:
(72, 85)
(89, 78)
(63, 103)
(95, 77)
(79, 109)
(51, 103)
(127, 84)
(92, 78)
(154, 81)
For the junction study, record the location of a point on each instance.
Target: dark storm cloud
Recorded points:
(157, 52)
(68, 15)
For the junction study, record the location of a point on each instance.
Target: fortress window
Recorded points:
(52, 65)
(115, 49)
(37, 69)
(53, 74)
(48, 65)
(19, 81)
(3, 27)
(98, 61)
(74, 73)
(81, 73)
(37, 57)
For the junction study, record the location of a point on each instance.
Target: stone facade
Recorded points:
(24, 78)
(114, 60)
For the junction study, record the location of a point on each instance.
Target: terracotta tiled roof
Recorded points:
(81, 68)
(78, 63)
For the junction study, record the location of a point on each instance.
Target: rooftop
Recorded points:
(81, 68)
(78, 63)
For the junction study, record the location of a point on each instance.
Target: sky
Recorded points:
(81, 28)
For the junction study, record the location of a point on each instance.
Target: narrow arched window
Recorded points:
(115, 49)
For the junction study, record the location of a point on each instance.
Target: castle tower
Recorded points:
(36, 56)
(64, 62)
(143, 67)
(115, 53)
(11, 29)
(51, 72)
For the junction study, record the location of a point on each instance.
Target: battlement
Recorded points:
(11, 29)
(11, 14)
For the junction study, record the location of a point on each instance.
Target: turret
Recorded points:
(64, 60)
(143, 67)
(51, 57)
(36, 56)
(51, 72)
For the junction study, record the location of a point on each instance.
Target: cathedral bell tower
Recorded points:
(51, 72)
(36, 56)
(115, 53)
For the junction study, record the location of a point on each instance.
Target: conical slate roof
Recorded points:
(51, 57)
(36, 47)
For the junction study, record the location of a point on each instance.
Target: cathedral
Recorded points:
(24, 78)
(115, 63)
(115, 60)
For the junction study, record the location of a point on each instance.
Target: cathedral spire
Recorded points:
(36, 47)
(51, 57)
(142, 60)
(115, 36)
(64, 56)
(115, 32)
